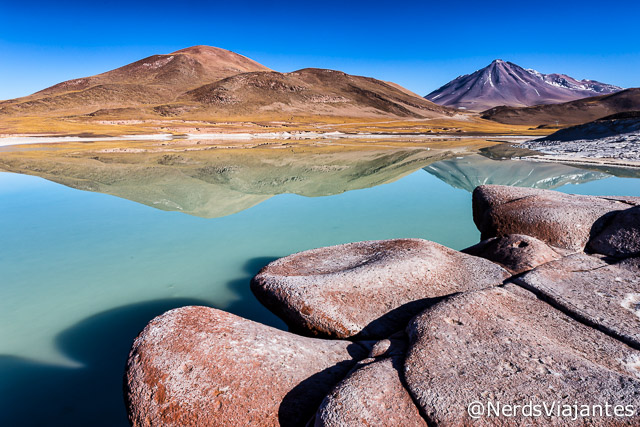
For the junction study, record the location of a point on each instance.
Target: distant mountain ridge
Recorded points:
(205, 82)
(505, 83)
(568, 113)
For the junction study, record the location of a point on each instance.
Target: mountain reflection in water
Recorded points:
(471, 171)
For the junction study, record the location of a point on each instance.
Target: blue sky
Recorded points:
(420, 45)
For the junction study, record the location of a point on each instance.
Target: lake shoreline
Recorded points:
(380, 320)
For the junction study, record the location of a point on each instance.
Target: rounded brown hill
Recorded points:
(182, 70)
(310, 91)
(154, 80)
(202, 82)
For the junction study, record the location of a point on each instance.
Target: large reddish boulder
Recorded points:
(594, 291)
(621, 236)
(562, 220)
(371, 395)
(515, 252)
(198, 366)
(367, 289)
(503, 345)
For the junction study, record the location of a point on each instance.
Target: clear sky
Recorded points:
(419, 45)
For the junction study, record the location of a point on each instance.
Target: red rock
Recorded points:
(371, 395)
(515, 252)
(505, 345)
(198, 366)
(601, 294)
(621, 236)
(367, 289)
(561, 220)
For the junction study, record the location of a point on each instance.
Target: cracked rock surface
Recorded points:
(505, 345)
(516, 252)
(601, 294)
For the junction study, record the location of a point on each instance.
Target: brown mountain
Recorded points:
(152, 80)
(310, 91)
(505, 83)
(177, 71)
(568, 113)
(205, 82)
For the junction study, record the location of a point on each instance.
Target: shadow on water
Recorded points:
(248, 306)
(36, 394)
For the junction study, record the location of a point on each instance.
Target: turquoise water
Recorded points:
(81, 273)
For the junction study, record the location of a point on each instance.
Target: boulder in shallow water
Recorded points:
(367, 289)
(505, 345)
(561, 220)
(202, 366)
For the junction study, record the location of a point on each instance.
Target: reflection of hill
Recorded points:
(470, 171)
(214, 183)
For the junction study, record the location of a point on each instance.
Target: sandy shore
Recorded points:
(23, 140)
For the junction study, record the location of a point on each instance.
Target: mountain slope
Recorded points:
(205, 83)
(505, 83)
(612, 137)
(309, 91)
(152, 80)
(178, 71)
(568, 113)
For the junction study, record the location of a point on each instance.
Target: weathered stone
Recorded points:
(621, 236)
(630, 200)
(515, 252)
(504, 345)
(604, 295)
(202, 366)
(371, 395)
(367, 289)
(562, 220)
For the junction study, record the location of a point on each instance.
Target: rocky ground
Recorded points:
(616, 138)
(542, 315)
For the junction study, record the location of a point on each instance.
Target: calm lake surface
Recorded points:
(81, 273)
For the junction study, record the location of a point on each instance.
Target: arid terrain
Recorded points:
(204, 89)
(568, 113)
(215, 94)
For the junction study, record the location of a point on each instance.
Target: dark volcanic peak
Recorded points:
(505, 83)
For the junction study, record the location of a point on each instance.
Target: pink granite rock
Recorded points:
(515, 252)
(367, 289)
(621, 236)
(503, 345)
(198, 366)
(601, 294)
(561, 220)
(371, 395)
